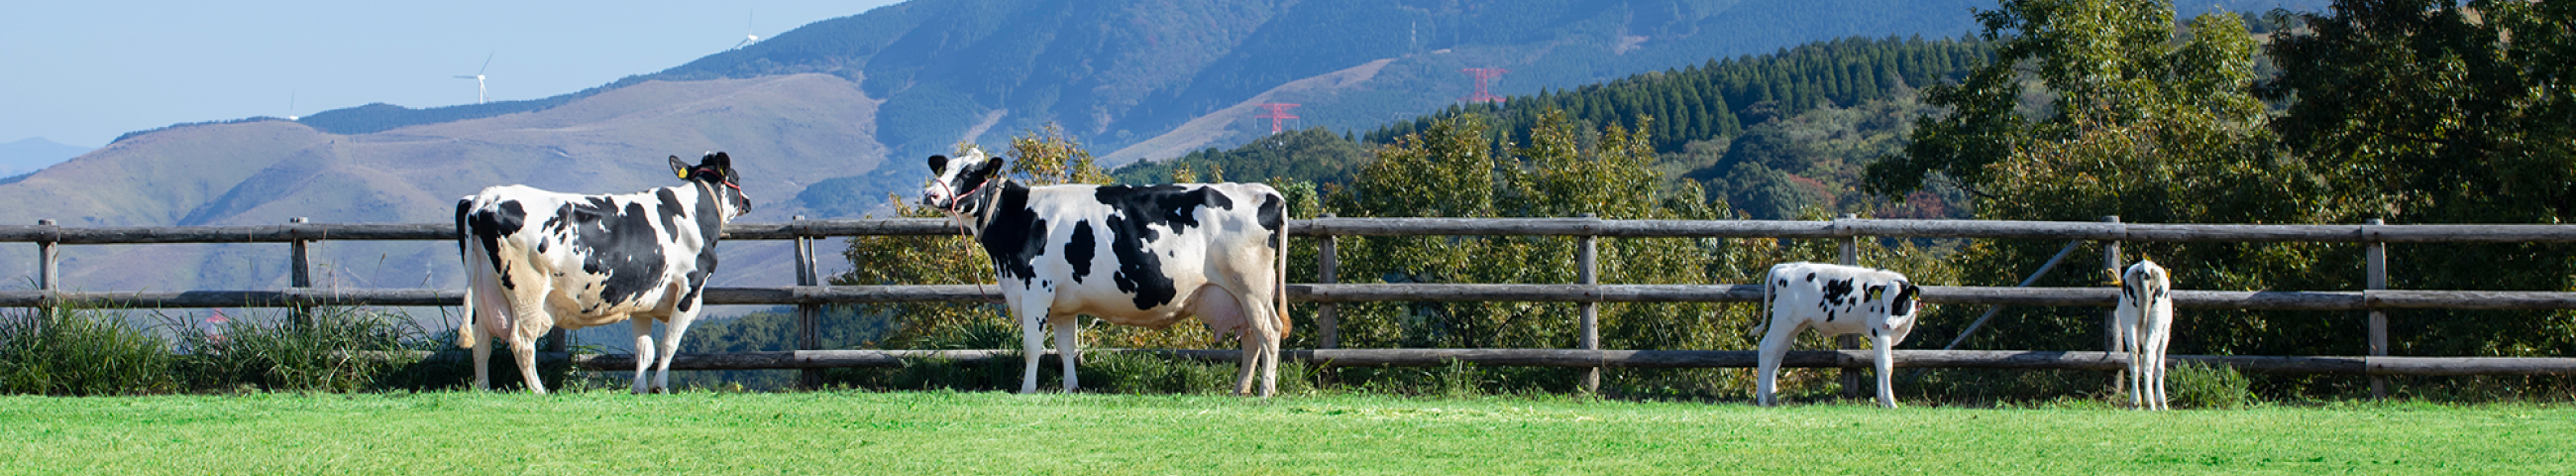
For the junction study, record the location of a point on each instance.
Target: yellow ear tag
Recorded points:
(684, 173)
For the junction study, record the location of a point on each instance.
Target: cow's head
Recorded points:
(953, 179)
(715, 172)
(1901, 309)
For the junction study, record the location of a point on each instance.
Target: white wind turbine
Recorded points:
(747, 37)
(480, 95)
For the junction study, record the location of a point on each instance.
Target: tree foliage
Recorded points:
(1721, 97)
(2415, 111)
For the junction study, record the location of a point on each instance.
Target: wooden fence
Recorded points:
(809, 295)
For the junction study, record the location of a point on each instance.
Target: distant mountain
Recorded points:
(783, 131)
(27, 155)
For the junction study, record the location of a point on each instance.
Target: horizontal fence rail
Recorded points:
(2048, 230)
(1846, 359)
(1360, 293)
(1327, 294)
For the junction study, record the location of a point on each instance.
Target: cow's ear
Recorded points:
(678, 167)
(992, 166)
(937, 161)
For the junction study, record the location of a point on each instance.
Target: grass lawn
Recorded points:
(988, 433)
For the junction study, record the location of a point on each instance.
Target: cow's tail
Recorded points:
(465, 249)
(477, 269)
(1279, 269)
(1762, 322)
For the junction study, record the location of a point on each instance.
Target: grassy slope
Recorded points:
(945, 433)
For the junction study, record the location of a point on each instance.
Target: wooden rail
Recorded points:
(809, 295)
(1990, 229)
(1579, 358)
(1357, 293)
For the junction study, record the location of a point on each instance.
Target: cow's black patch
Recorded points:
(710, 225)
(671, 210)
(616, 243)
(1078, 251)
(1015, 235)
(1274, 217)
(490, 224)
(1837, 290)
(1811, 277)
(1134, 210)
(1904, 297)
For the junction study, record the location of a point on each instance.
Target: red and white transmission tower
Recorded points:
(1482, 75)
(1277, 111)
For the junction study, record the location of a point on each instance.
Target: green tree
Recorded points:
(2435, 111)
(2105, 107)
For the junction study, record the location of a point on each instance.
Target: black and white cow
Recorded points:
(1132, 255)
(2144, 322)
(1833, 300)
(536, 260)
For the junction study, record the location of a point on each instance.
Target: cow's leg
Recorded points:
(531, 323)
(644, 352)
(684, 314)
(1271, 327)
(1032, 314)
(1886, 367)
(2156, 357)
(1068, 349)
(1225, 315)
(1775, 346)
(483, 357)
(2126, 326)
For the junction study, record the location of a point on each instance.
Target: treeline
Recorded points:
(1712, 100)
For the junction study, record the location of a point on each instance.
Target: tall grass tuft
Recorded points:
(80, 352)
(2197, 385)
(342, 349)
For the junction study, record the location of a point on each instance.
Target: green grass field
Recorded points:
(991, 433)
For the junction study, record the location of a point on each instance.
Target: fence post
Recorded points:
(300, 276)
(2111, 319)
(1590, 274)
(1850, 257)
(2375, 254)
(1328, 319)
(809, 316)
(49, 257)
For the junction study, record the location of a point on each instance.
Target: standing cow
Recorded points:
(536, 260)
(1833, 300)
(2145, 324)
(1131, 255)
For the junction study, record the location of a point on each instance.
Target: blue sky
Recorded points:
(83, 72)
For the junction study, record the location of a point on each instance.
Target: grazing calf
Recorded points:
(1833, 300)
(2145, 325)
(1139, 256)
(536, 260)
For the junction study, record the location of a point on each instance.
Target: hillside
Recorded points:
(783, 130)
(27, 155)
(948, 65)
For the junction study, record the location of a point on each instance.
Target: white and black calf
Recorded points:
(2144, 320)
(1833, 300)
(536, 260)
(1131, 255)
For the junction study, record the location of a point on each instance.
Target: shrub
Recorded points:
(2196, 385)
(80, 352)
(341, 350)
